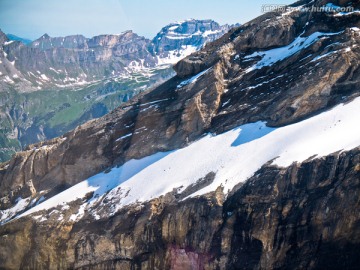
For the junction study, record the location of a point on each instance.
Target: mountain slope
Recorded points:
(252, 145)
(248, 158)
(66, 81)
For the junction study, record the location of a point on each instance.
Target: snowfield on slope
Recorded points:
(274, 55)
(234, 156)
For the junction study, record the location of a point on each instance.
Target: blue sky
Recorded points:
(33, 18)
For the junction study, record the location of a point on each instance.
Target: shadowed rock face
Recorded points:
(295, 217)
(303, 216)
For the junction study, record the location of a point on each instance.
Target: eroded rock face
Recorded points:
(234, 91)
(298, 217)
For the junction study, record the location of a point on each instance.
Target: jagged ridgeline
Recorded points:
(248, 158)
(53, 84)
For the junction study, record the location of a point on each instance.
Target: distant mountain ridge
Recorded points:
(70, 42)
(76, 60)
(16, 38)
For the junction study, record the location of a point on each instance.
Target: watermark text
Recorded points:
(283, 8)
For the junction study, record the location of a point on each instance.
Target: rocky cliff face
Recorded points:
(284, 220)
(281, 196)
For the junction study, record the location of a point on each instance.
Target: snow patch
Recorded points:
(210, 32)
(8, 42)
(340, 14)
(175, 56)
(123, 137)
(20, 205)
(226, 103)
(8, 80)
(192, 79)
(154, 102)
(172, 28)
(56, 71)
(262, 83)
(323, 56)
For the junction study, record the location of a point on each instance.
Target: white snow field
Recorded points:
(234, 156)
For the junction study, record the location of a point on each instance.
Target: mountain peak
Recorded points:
(189, 32)
(45, 36)
(191, 26)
